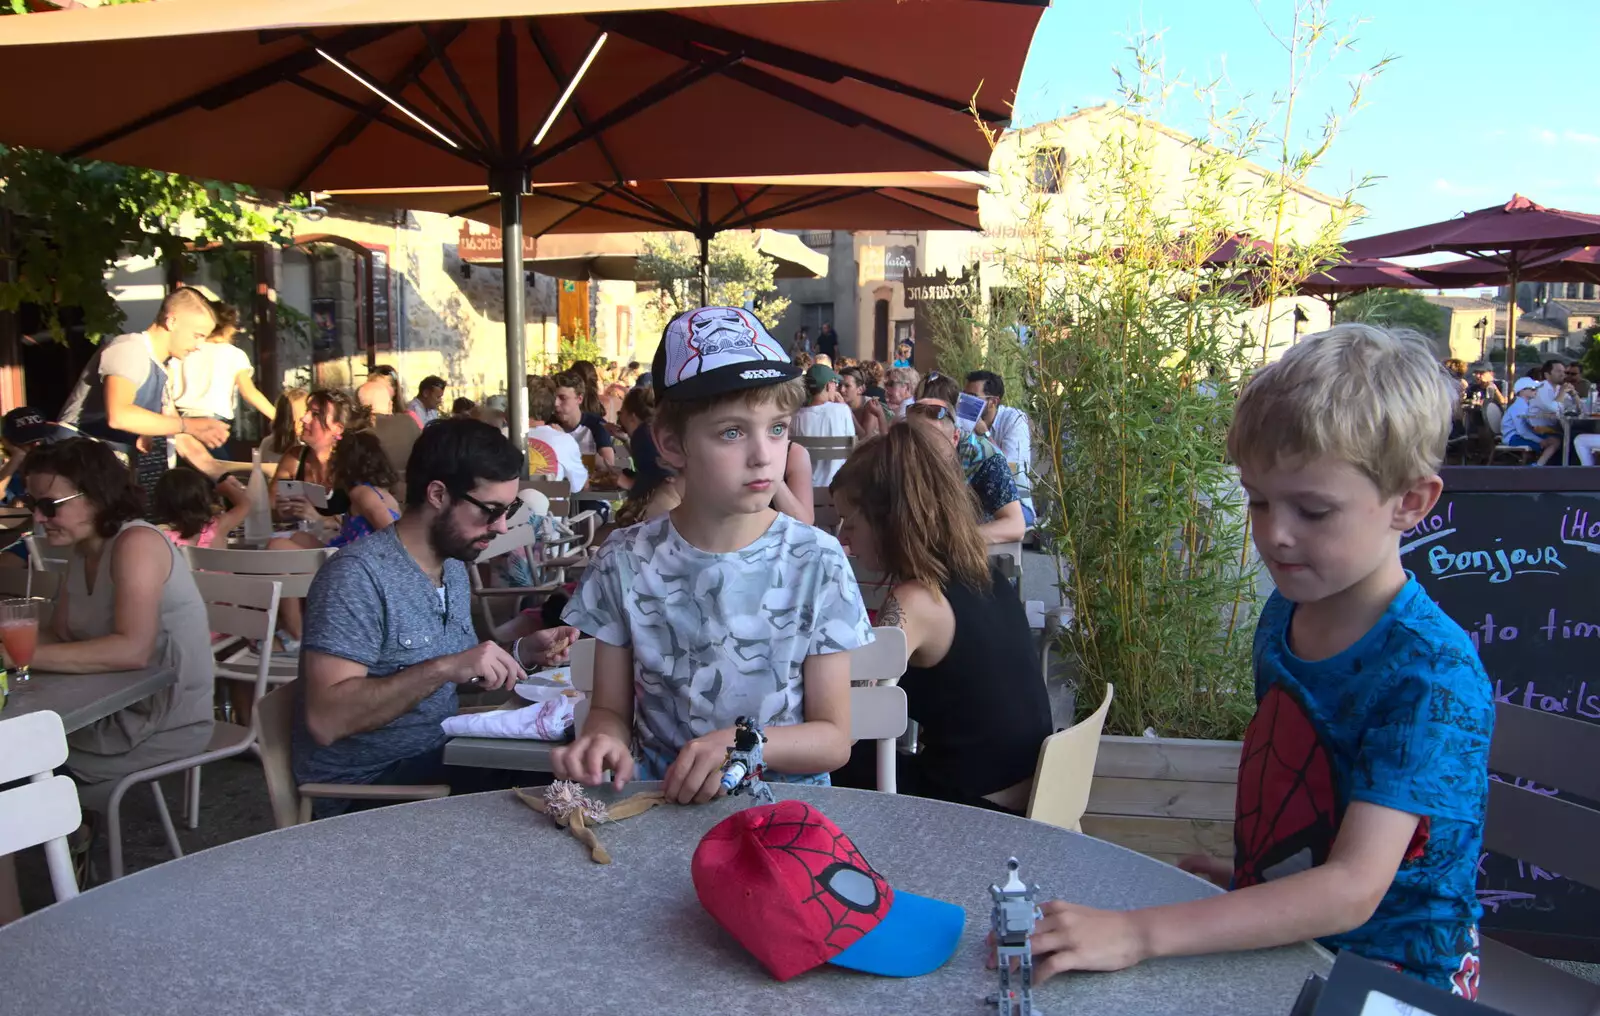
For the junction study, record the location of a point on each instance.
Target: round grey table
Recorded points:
(478, 905)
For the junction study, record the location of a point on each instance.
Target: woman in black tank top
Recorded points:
(974, 683)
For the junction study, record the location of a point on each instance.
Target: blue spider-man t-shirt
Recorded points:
(1400, 719)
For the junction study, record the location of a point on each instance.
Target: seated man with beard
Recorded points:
(388, 628)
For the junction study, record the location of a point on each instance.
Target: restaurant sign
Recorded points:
(481, 244)
(921, 289)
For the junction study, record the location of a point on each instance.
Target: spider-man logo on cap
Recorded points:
(795, 892)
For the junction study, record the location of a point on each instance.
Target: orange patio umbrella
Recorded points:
(580, 256)
(704, 208)
(300, 95)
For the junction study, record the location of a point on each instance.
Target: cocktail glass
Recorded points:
(19, 632)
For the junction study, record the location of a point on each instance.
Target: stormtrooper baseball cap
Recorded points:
(791, 887)
(717, 350)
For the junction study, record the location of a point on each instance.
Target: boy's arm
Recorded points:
(1334, 897)
(818, 744)
(608, 730)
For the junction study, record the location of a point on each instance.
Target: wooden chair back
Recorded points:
(485, 597)
(1066, 768)
(881, 661)
(246, 607)
(878, 711)
(292, 569)
(827, 449)
(44, 809)
(558, 491)
(275, 728)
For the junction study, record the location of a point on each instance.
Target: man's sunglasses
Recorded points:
(47, 506)
(493, 513)
(928, 411)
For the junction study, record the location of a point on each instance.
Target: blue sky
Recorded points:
(1483, 99)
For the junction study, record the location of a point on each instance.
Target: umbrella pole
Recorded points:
(1511, 326)
(704, 234)
(516, 323)
(510, 180)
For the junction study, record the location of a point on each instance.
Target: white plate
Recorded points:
(545, 684)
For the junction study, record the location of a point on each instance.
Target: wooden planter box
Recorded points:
(1164, 796)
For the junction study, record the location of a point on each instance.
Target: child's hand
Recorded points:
(1213, 869)
(1070, 937)
(587, 759)
(695, 776)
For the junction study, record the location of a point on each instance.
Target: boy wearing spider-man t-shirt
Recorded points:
(1364, 776)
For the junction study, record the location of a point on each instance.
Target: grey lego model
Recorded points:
(1012, 922)
(743, 767)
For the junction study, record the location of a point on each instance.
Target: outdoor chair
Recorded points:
(1065, 770)
(572, 554)
(44, 809)
(486, 597)
(1555, 834)
(239, 606)
(291, 801)
(1493, 415)
(294, 571)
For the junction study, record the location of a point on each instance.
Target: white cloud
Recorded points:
(1547, 137)
(1580, 138)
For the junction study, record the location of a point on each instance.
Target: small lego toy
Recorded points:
(743, 767)
(1012, 922)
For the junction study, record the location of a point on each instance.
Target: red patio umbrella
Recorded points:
(1580, 264)
(1510, 237)
(1347, 278)
(299, 95)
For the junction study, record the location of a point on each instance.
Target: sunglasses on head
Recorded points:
(492, 513)
(47, 506)
(928, 411)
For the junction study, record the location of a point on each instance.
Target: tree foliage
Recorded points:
(740, 275)
(75, 218)
(1135, 351)
(1395, 308)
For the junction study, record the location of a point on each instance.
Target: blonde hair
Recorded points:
(673, 415)
(907, 376)
(1375, 399)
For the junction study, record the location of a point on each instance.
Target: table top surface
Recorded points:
(478, 904)
(83, 698)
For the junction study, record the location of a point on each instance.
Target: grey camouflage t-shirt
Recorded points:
(718, 636)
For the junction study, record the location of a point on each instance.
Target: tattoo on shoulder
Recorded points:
(890, 615)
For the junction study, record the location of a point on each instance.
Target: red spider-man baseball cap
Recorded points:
(793, 889)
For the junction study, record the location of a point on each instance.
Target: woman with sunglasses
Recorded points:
(973, 678)
(128, 603)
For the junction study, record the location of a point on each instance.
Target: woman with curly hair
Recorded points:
(127, 602)
(973, 680)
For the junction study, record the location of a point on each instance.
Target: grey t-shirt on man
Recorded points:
(372, 605)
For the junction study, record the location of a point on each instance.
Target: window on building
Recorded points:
(813, 316)
(1047, 166)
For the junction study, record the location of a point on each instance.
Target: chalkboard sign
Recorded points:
(1513, 555)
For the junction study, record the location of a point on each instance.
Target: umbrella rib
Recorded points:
(688, 213)
(542, 44)
(958, 224)
(838, 112)
(744, 204)
(352, 130)
(236, 88)
(485, 135)
(944, 199)
(383, 118)
(590, 202)
(804, 203)
(650, 28)
(354, 70)
(640, 201)
(656, 93)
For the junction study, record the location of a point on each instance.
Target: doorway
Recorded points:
(880, 331)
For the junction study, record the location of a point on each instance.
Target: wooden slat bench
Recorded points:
(1164, 797)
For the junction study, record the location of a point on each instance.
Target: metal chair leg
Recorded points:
(166, 819)
(114, 828)
(191, 797)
